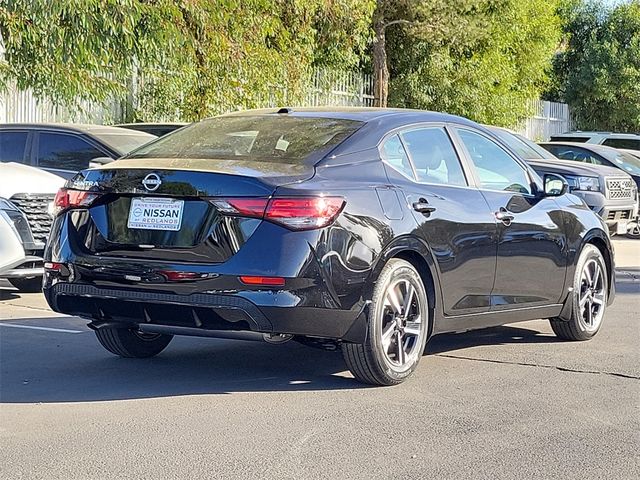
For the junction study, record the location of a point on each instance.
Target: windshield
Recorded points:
(124, 143)
(265, 138)
(627, 162)
(519, 144)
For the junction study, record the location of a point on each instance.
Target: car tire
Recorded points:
(130, 343)
(588, 297)
(397, 328)
(633, 230)
(27, 285)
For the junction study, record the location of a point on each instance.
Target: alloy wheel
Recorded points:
(592, 295)
(402, 323)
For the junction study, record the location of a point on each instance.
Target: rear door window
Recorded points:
(433, 156)
(628, 143)
(13, 146)
(65, 152)
(394, 154)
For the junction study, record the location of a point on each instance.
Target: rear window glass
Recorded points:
(262, 138)
(556, 138)
(125, 142)
(629, 143)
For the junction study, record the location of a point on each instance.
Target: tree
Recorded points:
(193, 57)
(490, 73)
(434, 21)
(598, 74)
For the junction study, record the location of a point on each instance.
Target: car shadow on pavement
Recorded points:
(488, 336)
(43, 367)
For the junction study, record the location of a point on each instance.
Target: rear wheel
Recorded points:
(27, 285)
(132, 343)
(589, 297)
(397, 329)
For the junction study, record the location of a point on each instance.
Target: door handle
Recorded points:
(504, 216)
(423, 207)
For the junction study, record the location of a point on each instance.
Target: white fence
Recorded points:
(549, 118)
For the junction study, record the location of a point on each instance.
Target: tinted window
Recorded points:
(496, 169)
(394, 154)
(556, 138)
(264, 138)
(12, 146)
(65, 152)
(433, 156)
(576, 154)
(629, 143)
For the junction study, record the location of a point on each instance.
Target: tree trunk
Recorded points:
(380, 68)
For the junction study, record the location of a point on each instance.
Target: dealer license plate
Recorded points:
(155, 214)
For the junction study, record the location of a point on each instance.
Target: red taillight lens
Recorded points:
(296, 213)
(67, 198)
(304, 213)
(266, 281)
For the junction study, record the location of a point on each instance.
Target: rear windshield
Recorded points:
(265, 138)
(125, 142)
(560, 138)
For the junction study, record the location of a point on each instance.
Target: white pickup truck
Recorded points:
(26, 199)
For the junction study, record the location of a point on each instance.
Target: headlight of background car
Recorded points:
(18, 222)
(587, 184)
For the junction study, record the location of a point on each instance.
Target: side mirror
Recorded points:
(555, 185)
(96, 162)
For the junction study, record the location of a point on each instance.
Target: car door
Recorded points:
(64, 154)
(451, 215)
(531, 247)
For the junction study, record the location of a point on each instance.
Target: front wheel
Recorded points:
(589, 298)
(397, 329)
(131, 343)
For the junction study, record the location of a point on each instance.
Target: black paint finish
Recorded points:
(478, 270)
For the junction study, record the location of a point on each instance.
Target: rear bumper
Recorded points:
(255, 311)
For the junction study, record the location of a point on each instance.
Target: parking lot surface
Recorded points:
(506, 402)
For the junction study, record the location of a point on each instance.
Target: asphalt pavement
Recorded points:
(505, 402)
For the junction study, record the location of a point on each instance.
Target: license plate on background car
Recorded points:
(155, 214)
(621, 228)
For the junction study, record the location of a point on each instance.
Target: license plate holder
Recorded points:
(163, 214)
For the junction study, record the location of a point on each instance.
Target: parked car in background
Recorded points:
(603, 188)
(26, 202)
(616, 140)
(362, 229)
(634, 153)
(157, 129)
(64, 149)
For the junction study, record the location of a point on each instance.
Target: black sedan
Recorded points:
(367, 230)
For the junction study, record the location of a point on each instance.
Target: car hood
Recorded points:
(568, 167)
(18, 178)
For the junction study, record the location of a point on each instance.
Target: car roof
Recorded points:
(581, 133)
(363, 114)
(152, 124)
(69, 127)
(594, 147)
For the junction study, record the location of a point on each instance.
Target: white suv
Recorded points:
(26, 199)
(629, 141)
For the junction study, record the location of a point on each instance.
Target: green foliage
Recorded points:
(598, 74)
(488, 70)
(194, 57)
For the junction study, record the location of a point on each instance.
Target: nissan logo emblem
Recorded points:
(151, 182)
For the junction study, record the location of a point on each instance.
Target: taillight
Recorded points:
(295, 213)
(67, 198)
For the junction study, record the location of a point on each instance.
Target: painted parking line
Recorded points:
(47, 329)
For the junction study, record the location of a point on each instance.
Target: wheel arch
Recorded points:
(601, 241)
(418, 254)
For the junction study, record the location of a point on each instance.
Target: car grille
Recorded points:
(36, 209)
(620, 188)
(619, 215)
